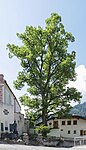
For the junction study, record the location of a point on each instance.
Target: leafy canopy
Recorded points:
(47, 68)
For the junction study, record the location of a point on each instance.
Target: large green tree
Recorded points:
(47, 68)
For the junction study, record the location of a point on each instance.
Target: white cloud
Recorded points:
(80, 83)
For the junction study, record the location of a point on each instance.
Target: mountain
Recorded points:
(79, 110)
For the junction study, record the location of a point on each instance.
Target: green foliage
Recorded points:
(42, 129)
(47, 67)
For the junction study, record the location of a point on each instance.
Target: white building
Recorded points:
(67, 128)
(10, 109)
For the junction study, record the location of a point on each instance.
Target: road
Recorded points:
(24, 147)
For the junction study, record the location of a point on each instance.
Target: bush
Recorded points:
(42, 129)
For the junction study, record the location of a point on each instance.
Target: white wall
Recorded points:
(6, 108)
(9, 105)
(8, 96)
(63, 129)
(9, 118)
(17, 107)
(20, 122)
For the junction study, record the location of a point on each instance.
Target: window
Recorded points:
(5, 95)
(81, 132)
(6, 125)
(9, 99)
(6, 128)
(50, 123)
(84, 132)
(68, 131)
(74, 131)
(68, 122)
(74, 122)
(2, 127)
(63, 122)
(11, 127)
(61, 129)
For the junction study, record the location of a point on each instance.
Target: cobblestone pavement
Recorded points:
(24, 147)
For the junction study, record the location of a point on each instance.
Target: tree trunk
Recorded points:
(44, 120)
(44, 117)
(44, 113)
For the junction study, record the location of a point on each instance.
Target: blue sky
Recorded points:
(15, 15)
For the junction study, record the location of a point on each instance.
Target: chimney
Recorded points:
(1, 78)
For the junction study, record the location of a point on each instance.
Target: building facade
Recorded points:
(67, 128)
(10, 109)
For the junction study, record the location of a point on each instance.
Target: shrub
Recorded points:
(42, 129)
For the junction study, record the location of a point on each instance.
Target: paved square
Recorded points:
(24, 147)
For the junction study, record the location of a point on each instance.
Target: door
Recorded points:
(55, 124)
(81, 132)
